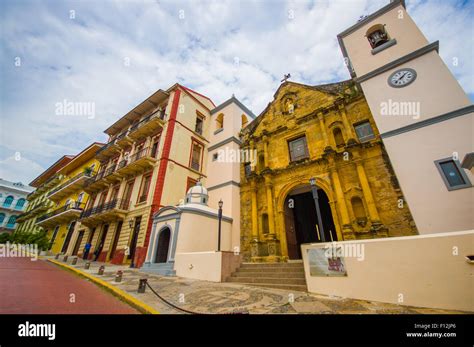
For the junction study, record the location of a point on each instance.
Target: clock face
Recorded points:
(402, 78)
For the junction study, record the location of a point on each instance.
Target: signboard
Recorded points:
(323, 263)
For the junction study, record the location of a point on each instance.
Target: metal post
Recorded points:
(314, 190)
(101, 270)
(220, 222)
(142, 285)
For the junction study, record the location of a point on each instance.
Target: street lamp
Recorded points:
(132, 246)
(314, 190)
(221, 203)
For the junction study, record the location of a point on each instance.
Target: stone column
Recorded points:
(350, 137)
(369, 198)
(265, 150)
(254, 242)
(323, 132)
(271, 238)
(347, 230)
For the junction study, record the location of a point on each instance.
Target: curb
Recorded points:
(142, 307)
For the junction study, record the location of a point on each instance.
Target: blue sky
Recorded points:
(116, 53)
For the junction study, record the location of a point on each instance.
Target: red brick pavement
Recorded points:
(40, 287)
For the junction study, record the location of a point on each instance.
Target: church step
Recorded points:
(272, 269)
(269, 274)
(273, 265)
(268, 280)
(295, 287)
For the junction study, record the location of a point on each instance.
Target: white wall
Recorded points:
(428, 271)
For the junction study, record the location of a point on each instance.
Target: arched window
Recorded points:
(244, 121)
(220, 121)
(8, 201)
(11, 221)
(2, 217)
(377, 35)
(338, 138)
(359, 211)
(20, 203)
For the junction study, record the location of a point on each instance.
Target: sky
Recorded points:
(114, 54)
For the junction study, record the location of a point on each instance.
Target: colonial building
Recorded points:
(424, 116)
(38, 202)
(154, 154)
(327, 133)
(12, 203)
(69, 200)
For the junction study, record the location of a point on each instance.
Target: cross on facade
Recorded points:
(286, 76)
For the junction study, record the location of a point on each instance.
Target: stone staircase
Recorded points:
(289, 276)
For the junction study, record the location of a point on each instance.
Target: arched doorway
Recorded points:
(163, 246)
(301, 219)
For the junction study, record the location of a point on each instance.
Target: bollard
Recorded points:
(57, 256)
(74, 261)
(142, 285)
(65, 258)
(88, 265)
(118, 276)
(101, 270)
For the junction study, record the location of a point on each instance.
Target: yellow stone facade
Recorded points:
(354, 175)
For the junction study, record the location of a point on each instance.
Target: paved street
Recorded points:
(209, 297)
(40, 287)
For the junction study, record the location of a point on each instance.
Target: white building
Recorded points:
(184, 239)
(12, 203)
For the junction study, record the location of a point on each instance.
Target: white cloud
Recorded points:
(82, 59)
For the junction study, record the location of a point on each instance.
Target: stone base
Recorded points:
(163, 269)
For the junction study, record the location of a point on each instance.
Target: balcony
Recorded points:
(101, 180)
(70, 186)
(109, 150)
(123, 140)
(107, 212)
(147, 126)
(48, 184)
(136, 163)
(61, 215)
(40, 208)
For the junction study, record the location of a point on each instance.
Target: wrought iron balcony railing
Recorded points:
(119, 204)
(71, 206)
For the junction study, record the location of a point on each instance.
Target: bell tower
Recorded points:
(424, 116)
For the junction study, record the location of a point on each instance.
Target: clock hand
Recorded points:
(402, 76)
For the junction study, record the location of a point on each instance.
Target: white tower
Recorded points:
(224, 160)
(424, 116)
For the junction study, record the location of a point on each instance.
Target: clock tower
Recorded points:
(424, 117)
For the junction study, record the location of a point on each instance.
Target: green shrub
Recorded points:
(29, 238)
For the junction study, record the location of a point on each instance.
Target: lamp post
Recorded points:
(221, 203)
(314, 190)
(132, 247)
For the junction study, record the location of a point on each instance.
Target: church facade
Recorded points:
(325, 135)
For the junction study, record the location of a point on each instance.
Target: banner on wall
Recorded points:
(322, 265)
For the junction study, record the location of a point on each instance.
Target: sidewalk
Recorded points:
(209, 297)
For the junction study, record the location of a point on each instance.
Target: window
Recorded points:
(11, 222)
(154, 146)
(220, 121)
(20, 203)
(143, 193)
(196, 155)
(8, 201)
(2, 217)
(190, 183)
(55, 233)
(199, 124)
(338, 138)
(377, 35)
(298, 148)
(453, 175)
(364, 131)
(80, 197)
(248, 169)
